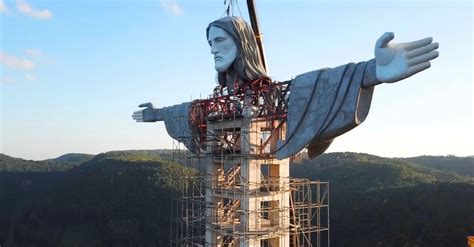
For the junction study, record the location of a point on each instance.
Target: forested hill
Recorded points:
(72, 159)
(122, 198)
(113, 199)
(460, 165)
(10, 164)
(365, 171)
(378, 201)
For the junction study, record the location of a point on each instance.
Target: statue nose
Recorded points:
(213, 49)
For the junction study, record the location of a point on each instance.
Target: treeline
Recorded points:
(377, 201)
(9, 164)
(123, 198)
(358, 171)
(114, 199)
(460, 165)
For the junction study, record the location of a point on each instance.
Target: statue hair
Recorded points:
(248, 64)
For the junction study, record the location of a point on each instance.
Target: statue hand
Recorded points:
(149, 114)
(395, 62)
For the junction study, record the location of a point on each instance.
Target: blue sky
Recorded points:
(73, 71)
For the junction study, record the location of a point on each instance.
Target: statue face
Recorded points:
(223, 48)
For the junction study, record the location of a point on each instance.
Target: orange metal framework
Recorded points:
(269, 98)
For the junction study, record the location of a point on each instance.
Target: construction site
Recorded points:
(243, 137)
(244, 195)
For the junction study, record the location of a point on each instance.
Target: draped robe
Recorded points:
(323, 104)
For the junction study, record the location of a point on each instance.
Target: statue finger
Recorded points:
(423, 58)
(148, 104)
(417, 44)
(417, 68)
(384, 39)
(422, 50)
(138, 119)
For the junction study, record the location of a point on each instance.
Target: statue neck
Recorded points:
(232, 81)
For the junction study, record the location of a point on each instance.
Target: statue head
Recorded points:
(223, 47)
(241, 51)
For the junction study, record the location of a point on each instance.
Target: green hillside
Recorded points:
(10, 164)
(123, 198)
(360, 172)
(114, 199)
(379, 201)
(460, 165)
(71, 159)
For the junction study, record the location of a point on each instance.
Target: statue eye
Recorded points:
(217, 39)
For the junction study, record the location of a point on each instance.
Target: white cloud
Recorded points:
(15, 62)
(3, 7)
(171, 6)
(26, 9)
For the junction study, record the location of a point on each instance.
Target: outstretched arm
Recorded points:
(149, 114)
(397, 61)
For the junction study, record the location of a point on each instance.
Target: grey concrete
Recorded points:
(324, 104)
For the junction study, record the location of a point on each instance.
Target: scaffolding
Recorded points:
(308, 216)
(245, 196)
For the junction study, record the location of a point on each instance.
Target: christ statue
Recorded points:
(322, 104)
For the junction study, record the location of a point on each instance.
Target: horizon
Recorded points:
(138, 150)
(72, 73)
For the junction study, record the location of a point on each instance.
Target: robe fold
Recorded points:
(324, 104)
(176, 120)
